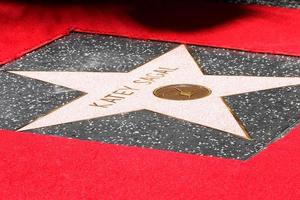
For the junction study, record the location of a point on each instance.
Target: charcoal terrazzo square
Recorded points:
(267, 115)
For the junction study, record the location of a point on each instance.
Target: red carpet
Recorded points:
(43, 167)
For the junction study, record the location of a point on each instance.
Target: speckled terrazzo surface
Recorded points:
(281, 3)
(23, 100)
(266, 114)
(78, 52)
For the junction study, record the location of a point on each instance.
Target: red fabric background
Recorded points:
(43, 167)
(276, 30)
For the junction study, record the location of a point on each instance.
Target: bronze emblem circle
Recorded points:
(182, 92)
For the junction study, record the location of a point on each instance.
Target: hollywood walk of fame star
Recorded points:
(109, 93)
